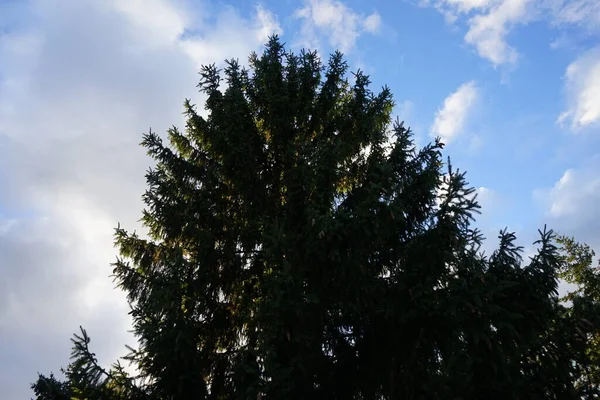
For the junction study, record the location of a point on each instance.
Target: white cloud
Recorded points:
(572, 190)
(77, 89)
(335, 20)
(248, 33)
(266, 23)
(571, 205)
(488, 30)
(490, 22)
(450, 119)
(582, 80)
(153, 17)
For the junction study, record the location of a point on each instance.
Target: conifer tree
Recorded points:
(302, 247)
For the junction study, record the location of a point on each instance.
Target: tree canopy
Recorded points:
(301, 246)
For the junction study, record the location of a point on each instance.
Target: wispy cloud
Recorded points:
(584, 13)
(489, 22)
(404, 110)
(488, 30)
(336, 21)
(248, 33)
(450, 119)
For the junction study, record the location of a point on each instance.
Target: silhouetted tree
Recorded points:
(301, 247)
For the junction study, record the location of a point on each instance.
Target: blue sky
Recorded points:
(512, 85)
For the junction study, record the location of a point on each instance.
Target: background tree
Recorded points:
(301, 247)
(580, 314)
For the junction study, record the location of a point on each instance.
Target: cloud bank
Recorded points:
(80, 81)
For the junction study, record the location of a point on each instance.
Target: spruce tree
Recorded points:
(302, 247)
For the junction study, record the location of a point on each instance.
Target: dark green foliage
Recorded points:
(85, 379)
(301, 247)
(49, 388)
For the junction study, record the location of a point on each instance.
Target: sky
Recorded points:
(512, 86)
